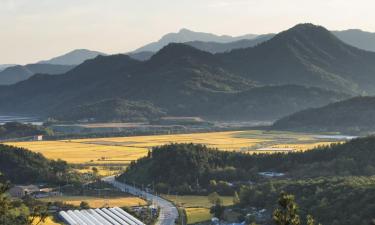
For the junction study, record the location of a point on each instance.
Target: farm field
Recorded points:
(123, 150)
(96, 202)
(197, 208)
(197, 215)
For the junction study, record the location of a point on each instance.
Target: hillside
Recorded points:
(14, 74)
(306, 55)
(219, 47)
(22, 166)
(178, 80)
(74, 57)
(185, 35)
(353, 115)
(358, 38)
(165, 164)
(19, 130)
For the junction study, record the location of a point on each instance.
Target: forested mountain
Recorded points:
(218, 47)
(141, 56)
(21, 166)
(306, 55)
(353, 115)
(74, 57)
(178, 80)
(358, 38)
(14, 74)
(185, 35)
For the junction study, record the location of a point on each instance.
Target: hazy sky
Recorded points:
(32, 30)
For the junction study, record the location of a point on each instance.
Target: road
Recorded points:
(168, 212)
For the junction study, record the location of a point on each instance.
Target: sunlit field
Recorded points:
(96, 202)
(122, 150)
(197, 207)
(197, 215)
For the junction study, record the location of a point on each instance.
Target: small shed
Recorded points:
(20, 191)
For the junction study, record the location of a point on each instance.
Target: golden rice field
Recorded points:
(96, 202)
(197, 215)
(47, 221)
(197, 208)
(122, 150)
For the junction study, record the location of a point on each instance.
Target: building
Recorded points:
(20, 191)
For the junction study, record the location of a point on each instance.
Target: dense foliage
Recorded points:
(112, 110)
(18, 130)
(353, 115)
(211, 169)
(21, 166)
(335, 201)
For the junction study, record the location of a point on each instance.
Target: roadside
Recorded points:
(168, 212)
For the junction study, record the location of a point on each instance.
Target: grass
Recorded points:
(197, 207)
(96, 202)
(194, 201)
(197, 215)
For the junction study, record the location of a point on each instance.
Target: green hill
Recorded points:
(354, 115)
(21, 166)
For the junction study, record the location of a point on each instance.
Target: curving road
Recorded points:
(168, 212)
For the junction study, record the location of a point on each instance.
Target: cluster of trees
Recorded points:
(18, 211)
(116, 109)
(185, 168)
(17, 130)
(22, 166)
(335, 201)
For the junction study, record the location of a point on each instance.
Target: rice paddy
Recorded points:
(96, 202)
(123, 150)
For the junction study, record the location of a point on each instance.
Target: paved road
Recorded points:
(168, 212)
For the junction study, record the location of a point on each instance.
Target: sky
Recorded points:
(34, 30)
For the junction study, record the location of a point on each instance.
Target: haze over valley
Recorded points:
(174, 112)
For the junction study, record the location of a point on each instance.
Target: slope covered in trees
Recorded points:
(354, 116)
(18, 130)
(166, 164)
(22, 166)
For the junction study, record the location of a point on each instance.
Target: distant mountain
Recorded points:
(74, 57)
(14, 74)
(142, 56)
(179, 80)
(217, 47)
(4, 66)
(353, 115)
(358, 38)
(185, 35)
(305, 55)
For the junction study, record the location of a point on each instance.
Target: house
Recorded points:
(271, 174)
(38, 138)
(20, 191)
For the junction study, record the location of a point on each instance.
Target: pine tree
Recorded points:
(287, 213)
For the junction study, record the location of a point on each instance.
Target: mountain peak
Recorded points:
(174, 51)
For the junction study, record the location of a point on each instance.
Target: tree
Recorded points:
(236, 198)
(84, 205)
(217, 210)
(214, 198)
(287, 213)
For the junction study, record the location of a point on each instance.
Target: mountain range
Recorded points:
(185, 35)
(74, 57)
(14, 74)
(290, 72)
(203, 41)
